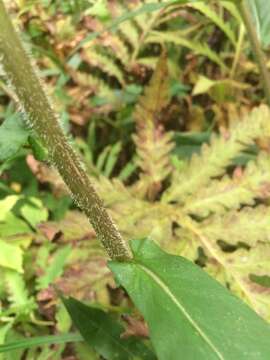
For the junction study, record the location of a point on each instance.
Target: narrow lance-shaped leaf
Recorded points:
(190, 315)
(101, 331)
(39, 341)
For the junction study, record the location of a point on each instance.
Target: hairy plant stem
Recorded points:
(260, 57)
(38, 112)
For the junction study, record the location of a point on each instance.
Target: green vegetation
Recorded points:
(164, 105)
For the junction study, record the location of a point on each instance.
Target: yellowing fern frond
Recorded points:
(249, 226)
(153, 144)
(245, 265)
(97, 85)
(105, 63)
(214, 158)
(225, 194)
(236, 268)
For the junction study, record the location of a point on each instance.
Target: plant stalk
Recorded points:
(259, 54)
(39, 114)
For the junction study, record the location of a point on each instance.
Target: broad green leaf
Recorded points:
(13, 135)
(40, 340)
(102, 332)
(190, 315)
(11, 257)
(261, 15)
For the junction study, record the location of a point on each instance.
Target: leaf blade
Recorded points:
(205, 304)
(40, 340)
(103, 333)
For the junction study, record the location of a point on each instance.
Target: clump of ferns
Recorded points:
(199, 209)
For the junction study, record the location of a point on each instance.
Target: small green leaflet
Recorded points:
(13, 135)
(102, 332)
(190, 315)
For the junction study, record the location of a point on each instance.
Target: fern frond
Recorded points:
(130, 33)
(153, 144)
(116, 46)
(221, 195)
(105, 63)
(97, 85)
(208, 12)
(245, 265)
(235, 268)
(127, 29)
(112, 191)
(214, 158)
(249, 226)
(176, 37)
(18, 295)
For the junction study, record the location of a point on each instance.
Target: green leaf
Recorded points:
(40, 153)
(261, 16)
(40, 340)
(99, 9)
(11, 257)
(13, 135)
(55, 269)
(101, 331)
(6, 205)
(3, 333)
(12, 225)
(34, 212)
(187, 311)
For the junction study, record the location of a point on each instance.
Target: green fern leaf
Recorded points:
(18, 295)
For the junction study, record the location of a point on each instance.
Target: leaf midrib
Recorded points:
(174, 299)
